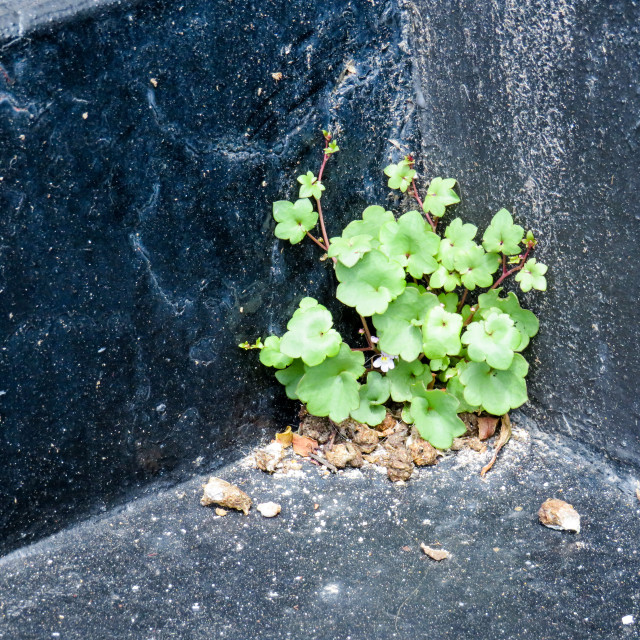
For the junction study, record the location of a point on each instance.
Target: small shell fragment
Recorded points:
(557, 514)
(269, 457)
(269, 509)
(221, 512)
(435, 554)
(220, 492)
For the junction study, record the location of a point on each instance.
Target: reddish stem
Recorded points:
(317, 241)
(363, 349)
(506, 274)
(464, 297)
(367, 333)
(417, 197)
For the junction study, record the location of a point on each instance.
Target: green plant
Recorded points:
(434, 352)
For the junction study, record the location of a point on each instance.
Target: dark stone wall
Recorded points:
(535, 106)
(140, 151)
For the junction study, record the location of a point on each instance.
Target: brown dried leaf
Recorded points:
(285, 438)
(435, 554)
(486, 426)
(303, 446)
(505, 434)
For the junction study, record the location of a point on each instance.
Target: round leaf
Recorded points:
(349, 250)
(310, 187)
(502, 236)
(492, 340)
(435, 414)
(531, 276)
(400, 175)
(411, 242)
(310, 335)
(398, 327)
(290, 377)
(441, 333)
(373, 395)
(440, 195)
(403, 376)
(371, 284)
(476, 268)
(497, 391)
(271, 356)
(373, 218)
(457, 237)
(294, 219)
(331, 388)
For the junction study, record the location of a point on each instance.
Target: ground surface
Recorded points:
(166, 567)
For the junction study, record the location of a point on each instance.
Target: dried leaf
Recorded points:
(435, 554)
(486, 426)
(303, 446)
(505, 434)
(285, 438)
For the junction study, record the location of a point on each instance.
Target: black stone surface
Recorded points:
(140, 151)
(352, 568)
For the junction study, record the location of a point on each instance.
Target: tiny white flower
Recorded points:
(374, 339)
(384, 362)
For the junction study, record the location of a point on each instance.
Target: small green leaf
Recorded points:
(332, 148)
(439, 364)
(271, 356)
(403, 376)
(373, 395)
(530, 240)
(456, 389)
(310, 335)
(371, 284)
(310, 187)
(441, 333)
(525, 321)
(457, 237)
(349, 250)
(502, 236)
(332, 388)
(399, 327)
(450, 301)
(400, 175)
(290, 377)
(294, 219)
(497, 391)
(441, 278)
(476, 268)
(435, 414)
(492, 340)
(246, 345)
(411, 242)
(373, 218)
(440, 195)
(531, 276)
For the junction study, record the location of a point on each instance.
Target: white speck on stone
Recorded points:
(135, 588)
(195, 607)
(360, 539)
(269, 509)
(628, 619)
(331, 590)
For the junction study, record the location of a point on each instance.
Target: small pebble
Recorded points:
(628, 620)
(269, 509)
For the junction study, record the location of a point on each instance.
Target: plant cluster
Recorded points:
(432, 351)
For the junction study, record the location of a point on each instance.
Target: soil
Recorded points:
(392, 445)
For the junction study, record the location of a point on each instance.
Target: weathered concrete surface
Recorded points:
(343, 558)
(140, 150)
(534, 106)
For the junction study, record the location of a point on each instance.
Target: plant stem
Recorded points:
(417, 197)
(367, 333)
(363, 349)
(317, 241)
(506, 274)
(325, 237)
(464, 297)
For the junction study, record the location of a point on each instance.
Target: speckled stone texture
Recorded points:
(350, 568)
(141, 148)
